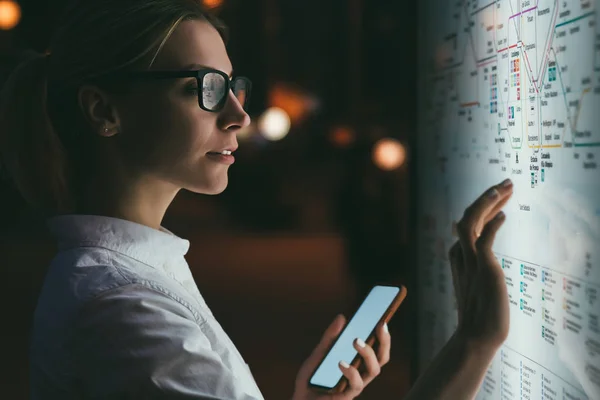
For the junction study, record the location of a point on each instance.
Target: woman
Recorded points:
(133, 104)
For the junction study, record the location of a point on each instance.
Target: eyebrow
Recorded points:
(193, 67)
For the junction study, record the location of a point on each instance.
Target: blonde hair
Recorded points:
(44, 139)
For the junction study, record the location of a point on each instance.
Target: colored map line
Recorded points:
(524, 11)
(596, 144)
(572, 125)
(566, 23)
(549, 38)
(585, 91)
(546, 146)
(483, 64)
(530, 71)
(470, 104)
(533, 78)
(470, 41)
(575, 19)
(546, 57)
(533, 81)
(486, 59)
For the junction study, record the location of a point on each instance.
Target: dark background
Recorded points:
(308, 224)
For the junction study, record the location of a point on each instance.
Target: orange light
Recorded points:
(389, 154)
(342, 136)
(10, 14)
(292, 100)
(213, 3)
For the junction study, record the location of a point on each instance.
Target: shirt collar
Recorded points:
(150, 246)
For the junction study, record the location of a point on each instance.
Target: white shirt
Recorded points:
(120, 317)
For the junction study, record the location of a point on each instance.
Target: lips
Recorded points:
(221, 157)
(226, 151)
(222, 153)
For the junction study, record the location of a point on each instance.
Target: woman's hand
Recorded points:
(458, 370)
(372, 363)
(481, 294)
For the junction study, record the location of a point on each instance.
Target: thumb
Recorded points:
(331, 333)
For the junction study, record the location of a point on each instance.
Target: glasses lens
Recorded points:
(241, 89)
(213, 90)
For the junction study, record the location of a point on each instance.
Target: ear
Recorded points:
(99, 110)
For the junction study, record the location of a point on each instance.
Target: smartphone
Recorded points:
(379, 305)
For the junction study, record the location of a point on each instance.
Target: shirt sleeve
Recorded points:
(134, 342)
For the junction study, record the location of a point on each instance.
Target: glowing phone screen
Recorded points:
(328, 374)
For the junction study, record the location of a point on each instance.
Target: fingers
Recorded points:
(486, 240)
(481, 208)
(476, 213)
(494, 280)
(355, 381)
(334, 329)
(317, 355)
(370, 362)
(493, 213)
(385, 344)
(331, 333)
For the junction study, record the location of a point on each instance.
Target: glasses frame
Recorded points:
(199, 75)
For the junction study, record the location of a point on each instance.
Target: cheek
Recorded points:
(170, 132)
(188, 130)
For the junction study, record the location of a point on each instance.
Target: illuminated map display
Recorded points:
(511, 89)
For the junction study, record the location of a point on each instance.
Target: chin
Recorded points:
(212, 189)
(216, 191)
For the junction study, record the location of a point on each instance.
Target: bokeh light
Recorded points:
(274, 124)
(295, 101)
(10, 14)
(213, 3)
(342, 136)
(389, 154)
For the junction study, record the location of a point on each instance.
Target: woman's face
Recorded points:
(164, 133)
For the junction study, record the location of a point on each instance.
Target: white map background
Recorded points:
(511, 88)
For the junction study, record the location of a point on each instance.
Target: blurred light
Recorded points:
(213, 3)
(295, 102)
(274, 124)
(342, 136)
(10, 14)
(389, 154)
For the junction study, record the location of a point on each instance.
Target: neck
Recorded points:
(143, 200)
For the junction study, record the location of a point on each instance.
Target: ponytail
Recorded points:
(30, 150)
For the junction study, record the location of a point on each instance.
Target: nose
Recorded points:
(233, 117)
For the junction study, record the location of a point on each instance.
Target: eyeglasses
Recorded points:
(213, 85)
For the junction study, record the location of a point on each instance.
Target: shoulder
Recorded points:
(87, 277)
(140, 297)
